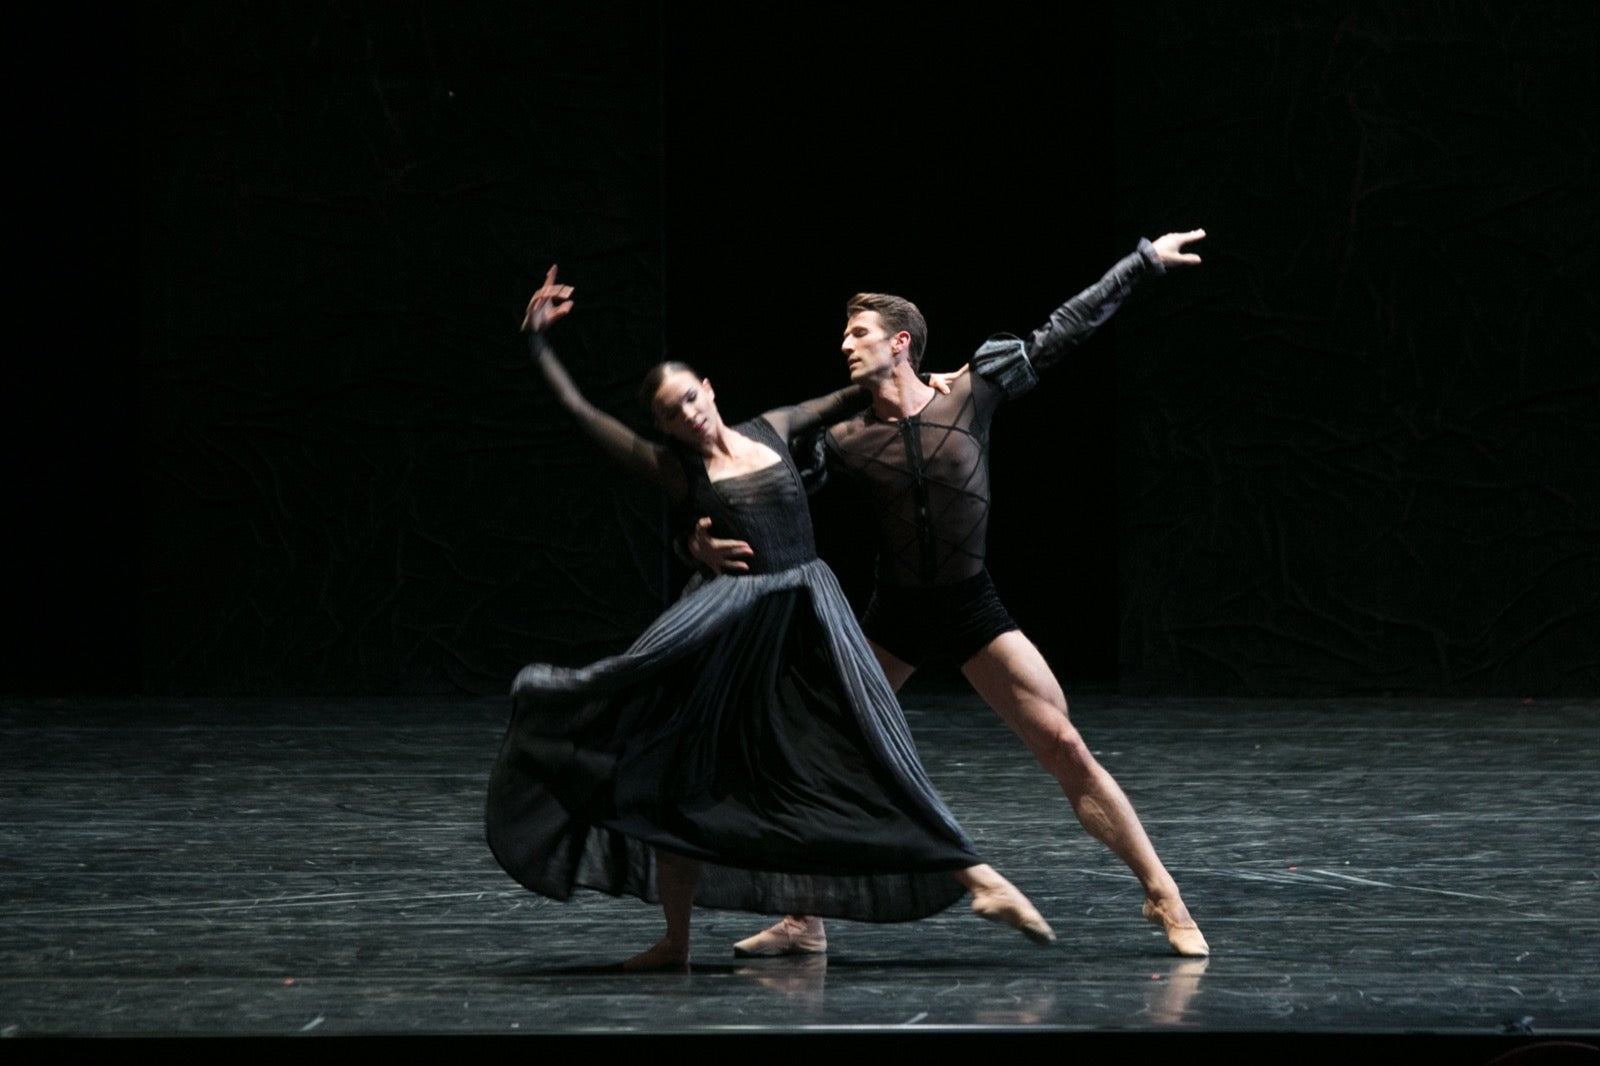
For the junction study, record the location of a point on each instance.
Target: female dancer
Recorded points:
(746, 752)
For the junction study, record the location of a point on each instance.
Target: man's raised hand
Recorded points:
(1169, 247)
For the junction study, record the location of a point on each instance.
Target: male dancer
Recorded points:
(922, 456)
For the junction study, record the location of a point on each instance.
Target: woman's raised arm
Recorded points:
(633, 453)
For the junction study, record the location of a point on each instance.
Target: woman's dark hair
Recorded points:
(652, 382)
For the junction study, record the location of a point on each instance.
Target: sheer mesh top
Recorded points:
(927, 476)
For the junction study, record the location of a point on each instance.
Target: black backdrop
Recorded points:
(1359, 451)
(273, 430)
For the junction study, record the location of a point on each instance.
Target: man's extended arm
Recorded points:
(1013, 362)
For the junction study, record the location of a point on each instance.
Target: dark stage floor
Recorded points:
(1424, 873)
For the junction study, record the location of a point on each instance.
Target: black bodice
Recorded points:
(766, 507)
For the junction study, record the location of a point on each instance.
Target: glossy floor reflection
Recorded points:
(255, 868)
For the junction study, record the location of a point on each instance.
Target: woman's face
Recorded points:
(686, 408)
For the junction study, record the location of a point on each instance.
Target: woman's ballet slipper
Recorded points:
(659, 959)
(791, 936)
(1010, 907)
(1185, 937)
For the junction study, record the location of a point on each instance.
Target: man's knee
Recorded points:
(1056, 740)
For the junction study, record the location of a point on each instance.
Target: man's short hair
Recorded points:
(898, 314)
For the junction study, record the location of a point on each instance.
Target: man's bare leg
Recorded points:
(1013, 678)
(675, 878)
(897, 670)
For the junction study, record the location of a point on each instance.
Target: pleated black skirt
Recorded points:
(748, 728)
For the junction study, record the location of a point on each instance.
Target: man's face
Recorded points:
(870, 350)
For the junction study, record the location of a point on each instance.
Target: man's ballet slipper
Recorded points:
(1185, 939)
(802, 975)
(660, 959)
(791, 936)
(1010, 907)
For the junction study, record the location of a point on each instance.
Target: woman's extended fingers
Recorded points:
(550, 302)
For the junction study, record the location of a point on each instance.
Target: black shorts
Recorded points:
(940, 624)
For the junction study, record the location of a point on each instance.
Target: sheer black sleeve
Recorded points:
(1013, 363)
(804, 424)
(802, 418)
(630, 451)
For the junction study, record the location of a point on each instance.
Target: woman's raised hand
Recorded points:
(548, 305)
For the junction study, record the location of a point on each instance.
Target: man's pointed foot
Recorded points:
(1182, 932)
(791, 936)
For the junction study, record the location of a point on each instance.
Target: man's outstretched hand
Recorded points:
(1169, 248)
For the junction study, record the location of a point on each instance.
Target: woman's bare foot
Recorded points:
(1182, 932)
(666, 955)
(1008, 906)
